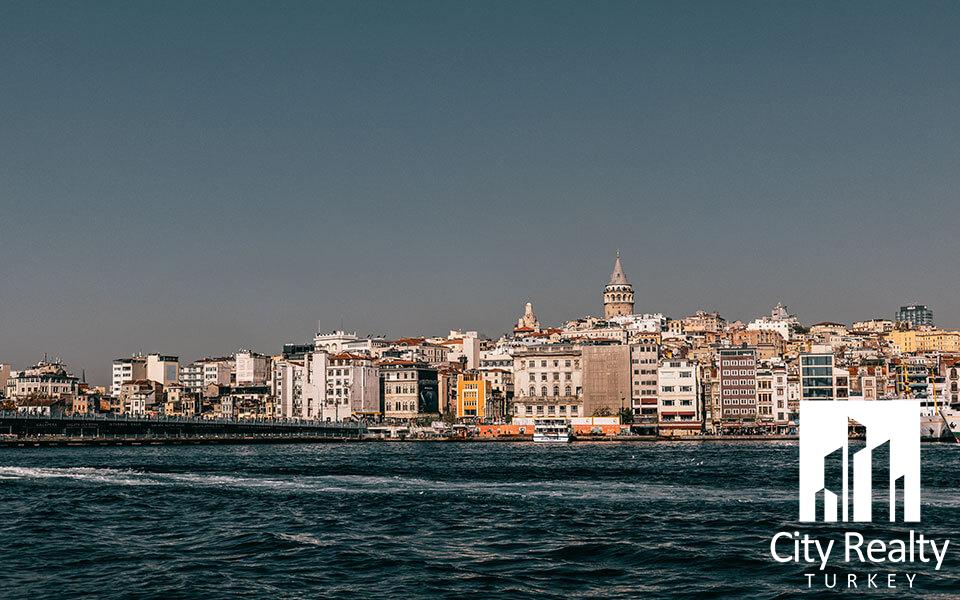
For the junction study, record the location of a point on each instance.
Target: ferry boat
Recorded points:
(940, 423)
(551, 431)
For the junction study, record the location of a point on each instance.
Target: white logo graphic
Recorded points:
(824, 460)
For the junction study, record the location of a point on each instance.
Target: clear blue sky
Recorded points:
(191, 177)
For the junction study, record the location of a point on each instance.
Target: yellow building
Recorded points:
(934, 340)
(472, 392)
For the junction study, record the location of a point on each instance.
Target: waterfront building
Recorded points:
(246, 402)
(867, 380)
(679, 400)
(339, 341)
(141, 397)
(252, 369)
(220, 371)
(127, 369)
(353, 388)
(820, 379)
(416, 350)
(314, 384)
(191, 376)
(548, 381)
(644, 386)
(605, 379)
(287, 387)
(915, 315)
(447, 387)
(738, 386)
(194, 377)
(409, 389)
(462, 345)
(951, 385)
(473, 395)
(163, 368)
(43, 407)
(618, 293)
(181, 402)
(4, 376)
(43, 380)
(334, 341)
(296, 351)
(89, 403)
(773, 406)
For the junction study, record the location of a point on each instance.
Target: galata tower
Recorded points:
(618, 294)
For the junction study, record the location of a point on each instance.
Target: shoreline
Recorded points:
(64, 442)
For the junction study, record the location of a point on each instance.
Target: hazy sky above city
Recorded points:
(189, 178)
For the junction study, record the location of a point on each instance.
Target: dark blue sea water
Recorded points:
(486, 520)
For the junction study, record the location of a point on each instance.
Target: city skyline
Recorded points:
(617, 279)
(197, 180)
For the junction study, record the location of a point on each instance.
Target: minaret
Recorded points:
(618, 294)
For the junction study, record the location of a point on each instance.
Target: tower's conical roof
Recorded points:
(618, 276)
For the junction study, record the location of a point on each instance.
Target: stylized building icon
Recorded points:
(893, 431)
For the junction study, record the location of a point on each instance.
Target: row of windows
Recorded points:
(551, 409)
(682, 403)
(556, 363)
(556, 391)
(671, 388)
(741, 372)
(556, 376)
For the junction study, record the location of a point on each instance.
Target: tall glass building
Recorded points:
(915, 314)
(819, 380)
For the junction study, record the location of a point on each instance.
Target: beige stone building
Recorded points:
(606, 379)
(548, 381)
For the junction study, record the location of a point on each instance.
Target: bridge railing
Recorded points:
(113, 418)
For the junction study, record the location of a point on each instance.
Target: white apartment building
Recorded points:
(784, 328)
(644, 385)
(335, 341)
(163, 368)
(548, 381)
(464, 344)
(645, 323)
(314, 385)
(220, 371)
(160, 368)
(287, 386)
(127, 369)
(353, 388)
(773, 397)
(680, 397)
(251, 368)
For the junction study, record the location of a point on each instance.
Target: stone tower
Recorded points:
(618, 294)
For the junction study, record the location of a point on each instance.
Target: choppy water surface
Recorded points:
(423, 520)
